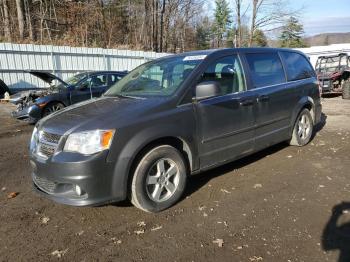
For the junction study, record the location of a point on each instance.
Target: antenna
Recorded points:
(90, 85)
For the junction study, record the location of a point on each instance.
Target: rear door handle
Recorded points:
(263, 98)
(246, 102)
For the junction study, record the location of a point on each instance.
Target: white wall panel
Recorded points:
(63, 61)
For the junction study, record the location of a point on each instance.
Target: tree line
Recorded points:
(157, 25)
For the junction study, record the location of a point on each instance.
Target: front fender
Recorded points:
(181, 126)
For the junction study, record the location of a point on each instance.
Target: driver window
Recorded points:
(227, 72)
(85, 84)
(98, 80)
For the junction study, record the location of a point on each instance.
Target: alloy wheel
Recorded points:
(162, 180)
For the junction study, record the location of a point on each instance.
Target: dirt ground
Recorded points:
(281, 204)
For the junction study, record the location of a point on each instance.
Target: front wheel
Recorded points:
(159, 179)
(303, 129)
(52, 107)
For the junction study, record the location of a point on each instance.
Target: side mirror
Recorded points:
(207, 89)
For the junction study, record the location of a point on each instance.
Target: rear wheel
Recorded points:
(346, 90)
(159, 179)
(52, 107)
(303, 129)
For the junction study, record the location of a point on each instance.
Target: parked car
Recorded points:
(333, 72)
(3, 89)
(35, 104)
(170, 118)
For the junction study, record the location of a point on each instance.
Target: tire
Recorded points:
(303, 129)
(153, 192)
(346, 90)
(52, 107)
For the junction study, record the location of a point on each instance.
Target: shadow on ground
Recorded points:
(197, 181)
(330, 95)
(336, 234)
(321, 124)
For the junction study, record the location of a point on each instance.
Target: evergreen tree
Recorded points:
(222, 22)
(291, 35)
(259, 38)
(203, 34)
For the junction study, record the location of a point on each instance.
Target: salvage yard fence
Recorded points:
(63, 61)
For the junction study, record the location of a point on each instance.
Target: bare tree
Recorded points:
(238, 7)
(162, 26)
(28, 18)
(20, 18)
(159, 25)
(7, 30)
(269, 15)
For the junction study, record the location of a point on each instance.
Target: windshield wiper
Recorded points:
(124, 96)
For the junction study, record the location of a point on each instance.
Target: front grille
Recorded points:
(46, 150)
(51, 138)
(47, 144)
(44, 184)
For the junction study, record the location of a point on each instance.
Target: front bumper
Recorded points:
(31, 113)
(326, 85)
(56, 178)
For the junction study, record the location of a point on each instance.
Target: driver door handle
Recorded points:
(263, 98)
(246, 102)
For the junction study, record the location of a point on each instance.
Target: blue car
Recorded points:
(34, 104)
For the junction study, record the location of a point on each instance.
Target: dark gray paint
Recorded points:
(212, 131)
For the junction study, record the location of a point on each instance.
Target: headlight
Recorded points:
(33, 139)
(89, 142)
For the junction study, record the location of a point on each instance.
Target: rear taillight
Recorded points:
(319, 87)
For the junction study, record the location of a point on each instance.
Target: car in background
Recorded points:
(3, 89)
(35, 104)
(333, 72)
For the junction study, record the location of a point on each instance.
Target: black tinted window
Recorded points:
(266, 69)
(114, 79)
(227, 72)
(297, 66)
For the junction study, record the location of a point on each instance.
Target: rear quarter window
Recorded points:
(266, 69)
(297, 66)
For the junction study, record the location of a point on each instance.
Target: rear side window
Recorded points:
(297, 66)
(114, 79)
(266, 69)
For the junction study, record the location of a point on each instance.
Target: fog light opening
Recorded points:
(78, 190)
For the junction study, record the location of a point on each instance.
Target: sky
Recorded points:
(318, 16)
(324, 16)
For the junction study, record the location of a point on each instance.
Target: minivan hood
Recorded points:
(100, 113)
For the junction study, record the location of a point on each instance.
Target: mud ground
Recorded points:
(281, 204)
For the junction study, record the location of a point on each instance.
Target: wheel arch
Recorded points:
(175, 141)
(50, 103)
(305, 102)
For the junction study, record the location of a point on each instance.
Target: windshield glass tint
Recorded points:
(73, 80)
(158, 78)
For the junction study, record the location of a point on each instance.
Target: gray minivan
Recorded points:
(170, 118)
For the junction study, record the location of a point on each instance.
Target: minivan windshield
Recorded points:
(157, 78)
